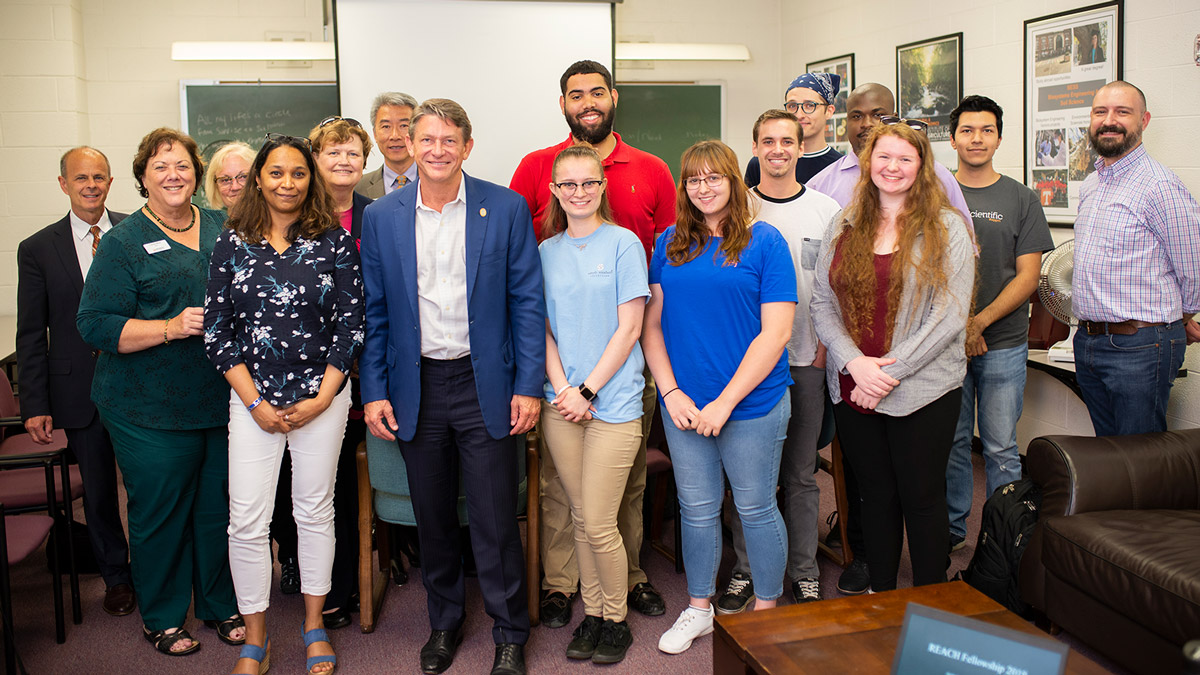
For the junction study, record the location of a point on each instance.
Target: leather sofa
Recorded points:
(1115, 557)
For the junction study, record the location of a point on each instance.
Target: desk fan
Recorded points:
(1054, 290)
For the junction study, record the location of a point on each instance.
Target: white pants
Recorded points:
(254, 459)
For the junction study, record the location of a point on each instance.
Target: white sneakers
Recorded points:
(691, 624)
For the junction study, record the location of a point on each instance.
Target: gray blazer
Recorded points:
(929, 346)
(371, 184)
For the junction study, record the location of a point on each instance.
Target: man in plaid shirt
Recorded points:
(1136, 283)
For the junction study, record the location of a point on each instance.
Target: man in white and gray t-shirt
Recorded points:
(801, 215)
(1012, 234)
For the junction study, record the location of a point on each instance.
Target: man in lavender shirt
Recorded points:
(864, 108)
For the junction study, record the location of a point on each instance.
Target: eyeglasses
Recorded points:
(284, 139)
(712, 180)
(568, 187)
(916, 125)
(809, 107)
(225, 181)
(334, 118)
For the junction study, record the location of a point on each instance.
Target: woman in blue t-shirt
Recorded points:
(595, 280)
(722, 299)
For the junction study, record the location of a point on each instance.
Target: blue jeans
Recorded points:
(997, 381)
(1126, 379)
(749, 452)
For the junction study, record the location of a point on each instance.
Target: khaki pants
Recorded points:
(559, 567)
(593, 459)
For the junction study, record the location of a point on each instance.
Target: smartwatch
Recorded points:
(587, 393)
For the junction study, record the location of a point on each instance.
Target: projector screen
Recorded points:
(500, 60)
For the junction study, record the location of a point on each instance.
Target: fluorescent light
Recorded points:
(681, 51)
(275, 50)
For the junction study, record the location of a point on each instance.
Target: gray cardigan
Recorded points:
(929, 349)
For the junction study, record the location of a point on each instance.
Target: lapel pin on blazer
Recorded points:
(482, 213)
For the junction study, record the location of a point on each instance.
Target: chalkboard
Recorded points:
(215, 112)
(666, 119)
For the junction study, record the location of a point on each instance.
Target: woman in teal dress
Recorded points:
(163, 404)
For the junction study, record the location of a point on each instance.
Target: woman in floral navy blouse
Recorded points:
(283, 322)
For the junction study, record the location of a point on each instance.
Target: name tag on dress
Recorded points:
(156, 246)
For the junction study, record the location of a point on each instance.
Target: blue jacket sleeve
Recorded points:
(526, 305)
(372, 364)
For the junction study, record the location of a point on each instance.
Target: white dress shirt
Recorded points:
(442, 278)
(81, 232)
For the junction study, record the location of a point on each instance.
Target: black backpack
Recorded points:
(1009, 516)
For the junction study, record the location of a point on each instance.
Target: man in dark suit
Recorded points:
(453, 364)
(56, 366)
(391, 114)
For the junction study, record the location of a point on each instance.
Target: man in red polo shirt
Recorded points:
(641, 192)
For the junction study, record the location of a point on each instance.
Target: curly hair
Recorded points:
(853, 280)
(554, 220)
(337, 132)
(251, 219)
(165, 138)
(691, 233)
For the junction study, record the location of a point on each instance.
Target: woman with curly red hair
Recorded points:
(892, 294)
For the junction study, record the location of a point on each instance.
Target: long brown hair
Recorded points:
(554, 220)
(854, 279)
(251, 219)
(691, 233)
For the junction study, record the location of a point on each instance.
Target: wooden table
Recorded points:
(851, 634)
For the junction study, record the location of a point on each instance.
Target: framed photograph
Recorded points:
(1068, 56)
(929, 82)
(835, 126)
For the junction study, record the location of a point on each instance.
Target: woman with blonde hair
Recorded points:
(595, 284)
(893, 290)
(227, 173)
(722, 300)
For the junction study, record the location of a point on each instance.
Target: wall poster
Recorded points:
(835, 126)
(929, 82)
(1068, 56)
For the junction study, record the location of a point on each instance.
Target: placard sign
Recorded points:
(933, 641)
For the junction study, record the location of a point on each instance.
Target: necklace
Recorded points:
(190, 225)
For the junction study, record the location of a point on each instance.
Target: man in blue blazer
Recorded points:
(56, 365)
(453, 366)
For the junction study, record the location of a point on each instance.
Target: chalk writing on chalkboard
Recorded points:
(214, 112)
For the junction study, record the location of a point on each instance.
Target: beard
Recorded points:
(1109, 148)
(592, 135)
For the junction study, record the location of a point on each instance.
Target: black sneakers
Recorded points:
(584, 639)
(855, 579)
(807, 589)
(737, 594)
(615, 639)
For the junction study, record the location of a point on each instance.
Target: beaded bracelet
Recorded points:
(256, 403)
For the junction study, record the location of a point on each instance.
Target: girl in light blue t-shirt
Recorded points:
(596, 290)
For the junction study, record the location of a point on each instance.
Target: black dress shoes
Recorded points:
(338, 618)
(646, 600)
(119, 600)
(438, 652)
(510, 659)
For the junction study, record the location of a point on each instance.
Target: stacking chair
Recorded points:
(21, 486)
(383, 497)
(21, 535)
